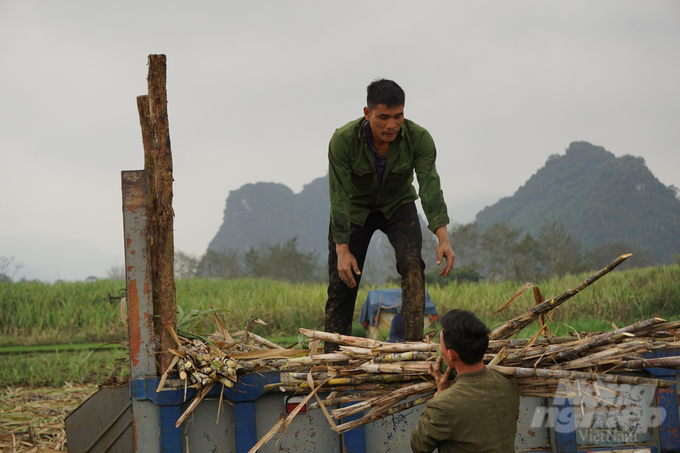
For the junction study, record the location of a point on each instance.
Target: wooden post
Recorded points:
(158, 163)
(149, 166)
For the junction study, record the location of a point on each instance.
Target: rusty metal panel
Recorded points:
(393, 433)
(532, 426)
(622, 415)
(138, 273)
(309, 432)
(102, 423)
(204, 432)
(140, 306)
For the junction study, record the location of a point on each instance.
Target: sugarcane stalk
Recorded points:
(382, 414)
(181, 371)
(405, 347)
(531, 354)
(357, 353)
(224, 381)
(516, 324)
(669, 326)
(263, 341)
(402, 357)
(395, 397)
(660, 362)
(356, 408)
(599, 340)
(605, 356)
(340, 339)
(315, 375)
(347, 380)
(334, 401)
(319, 358)
(197, 399)
(399, 368)
(300, 389)
(521, 342)
(573, 375)
(350, 398)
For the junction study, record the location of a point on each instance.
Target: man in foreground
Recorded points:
(478, 410)
(371, 162)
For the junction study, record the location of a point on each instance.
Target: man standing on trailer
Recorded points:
(478, 411)
(371, 162)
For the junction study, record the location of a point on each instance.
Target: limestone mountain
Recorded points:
(270, 213)
(599, 198)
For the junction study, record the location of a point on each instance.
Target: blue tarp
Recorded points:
(388, 300)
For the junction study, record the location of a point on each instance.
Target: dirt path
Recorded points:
(32, 420)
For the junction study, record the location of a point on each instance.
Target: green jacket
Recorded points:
(478, 413)
(353, 179)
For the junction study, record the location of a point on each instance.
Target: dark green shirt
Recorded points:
(478, 413)
(353, 179)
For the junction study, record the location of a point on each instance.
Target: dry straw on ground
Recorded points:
(32, 420)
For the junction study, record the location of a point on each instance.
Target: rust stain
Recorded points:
(672, 430)
(135, 199)
(148, 318)
(134, 432)
(146, 287)
(132, 252)
(128, 241)
(531, 433)
(133, 322)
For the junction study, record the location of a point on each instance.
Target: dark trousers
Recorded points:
(403, 232)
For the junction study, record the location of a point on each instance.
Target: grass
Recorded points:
(54, 369)
(72, 313)
(37, 314)
(33, 313)
(57, 347)
(621, 297)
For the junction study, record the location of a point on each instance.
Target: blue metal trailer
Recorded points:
(644, 421)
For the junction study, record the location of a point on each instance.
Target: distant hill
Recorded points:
(271, 213)
(599, 198)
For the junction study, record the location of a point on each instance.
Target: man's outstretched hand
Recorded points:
(444, 250)
(347, 264)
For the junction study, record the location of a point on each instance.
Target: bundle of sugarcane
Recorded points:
(377, 377)
(219, 359)
(617, 350)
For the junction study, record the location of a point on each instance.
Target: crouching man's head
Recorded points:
(464, 337)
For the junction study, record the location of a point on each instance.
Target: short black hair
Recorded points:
(466, 334)
(383, 91)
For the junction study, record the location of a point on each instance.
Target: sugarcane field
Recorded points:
(151, 362)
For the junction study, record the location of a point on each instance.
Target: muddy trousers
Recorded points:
(403, 232)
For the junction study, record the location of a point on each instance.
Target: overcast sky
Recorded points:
(256, 89)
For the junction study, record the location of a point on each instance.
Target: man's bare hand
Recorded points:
(444, 250)
(346, 265)
(442, 380)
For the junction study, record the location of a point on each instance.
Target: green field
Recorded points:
(39, 315)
